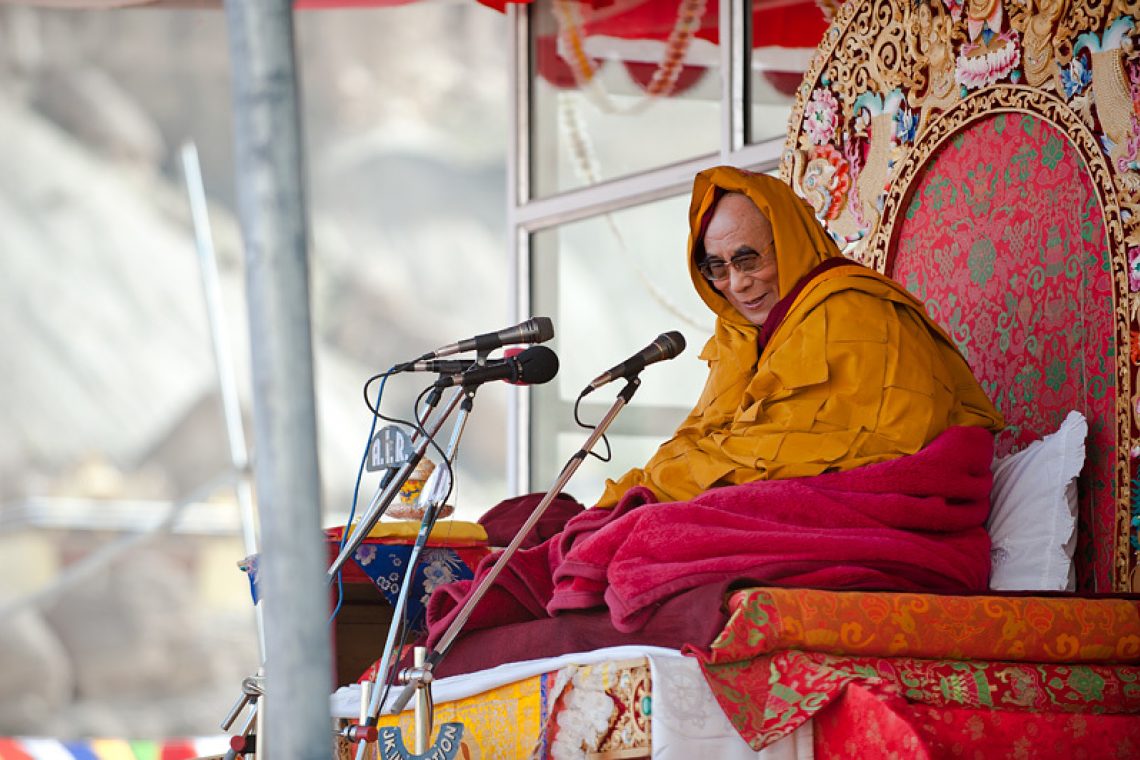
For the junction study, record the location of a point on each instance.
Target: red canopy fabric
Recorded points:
(776, 24)
(311, 5)
(783, 23)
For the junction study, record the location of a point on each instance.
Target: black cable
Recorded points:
(356, 488)
(376, 409)
(587, 426)
(368, 382)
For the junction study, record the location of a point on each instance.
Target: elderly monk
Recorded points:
(817, 364)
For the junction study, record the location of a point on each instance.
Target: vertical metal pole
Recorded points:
(735, 63)
(423, 706)
(518, 241)
(271, 204)
(227, 377)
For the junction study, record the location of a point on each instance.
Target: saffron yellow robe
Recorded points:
(855, 372)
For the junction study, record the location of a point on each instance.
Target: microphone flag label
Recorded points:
(390, 447)
(446, 747)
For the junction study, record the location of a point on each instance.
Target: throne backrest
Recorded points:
(986, 159)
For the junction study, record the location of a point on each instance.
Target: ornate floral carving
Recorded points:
(1043, 37)
(821, 117)
(1112, 92)
(825, 183)
(931, 30)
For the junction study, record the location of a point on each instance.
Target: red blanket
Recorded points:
(911, 524)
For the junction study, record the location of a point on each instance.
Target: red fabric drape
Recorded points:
(316, 5)
(786, 23)
(782, 24)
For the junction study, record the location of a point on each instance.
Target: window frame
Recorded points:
(527, 215)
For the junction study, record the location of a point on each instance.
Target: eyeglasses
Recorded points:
(715, 269)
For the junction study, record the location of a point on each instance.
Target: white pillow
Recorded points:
(1033, 513)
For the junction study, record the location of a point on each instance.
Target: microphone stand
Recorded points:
(369, 715)
(391, 486)
(253, 687)
(394, 479)
(421, 677)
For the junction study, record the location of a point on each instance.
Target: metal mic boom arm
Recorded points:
(369, 714)
(571, 467)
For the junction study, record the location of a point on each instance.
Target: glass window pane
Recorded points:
(620, 88)
(612, 284)
(785, 34)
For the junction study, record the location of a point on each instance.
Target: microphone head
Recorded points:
(670, 343)
(542, 328)
(536, 365)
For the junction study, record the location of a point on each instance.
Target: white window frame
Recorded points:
(527, 215)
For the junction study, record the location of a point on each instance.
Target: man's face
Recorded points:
(739, 233)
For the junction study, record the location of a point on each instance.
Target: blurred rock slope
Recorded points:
(106, 367)
(102, 322)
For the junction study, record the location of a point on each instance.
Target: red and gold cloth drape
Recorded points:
(788, 653)
(862, 724)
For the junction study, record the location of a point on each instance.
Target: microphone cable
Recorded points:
(400, 651)
(383, 377)
(376, 414)
(389, 679)
(588, 426)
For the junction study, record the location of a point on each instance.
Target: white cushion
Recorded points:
(1033, 514)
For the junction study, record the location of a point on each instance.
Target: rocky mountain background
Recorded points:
(112, 408)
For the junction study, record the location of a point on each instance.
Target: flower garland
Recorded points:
(572, 50)
(571, 46)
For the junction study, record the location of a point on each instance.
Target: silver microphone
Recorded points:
(666, 346)
(534, 330)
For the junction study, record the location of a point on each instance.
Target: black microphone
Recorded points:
(534, 330)
(536, 365)
(666, 346)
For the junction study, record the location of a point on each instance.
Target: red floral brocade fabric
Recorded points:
(862, 724)
(788, 653)
(1004, 241)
